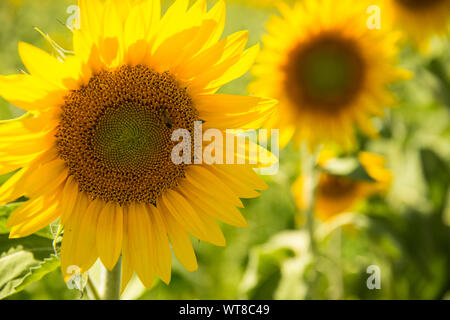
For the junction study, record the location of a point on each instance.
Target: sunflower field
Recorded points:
(355, 95)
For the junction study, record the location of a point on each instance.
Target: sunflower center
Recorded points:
(418, 4)
(335, 186)
(326, 73)
(115, 134)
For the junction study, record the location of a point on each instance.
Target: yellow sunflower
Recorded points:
(94, 149)
(329, 71)
(338, 194)
(420, 19)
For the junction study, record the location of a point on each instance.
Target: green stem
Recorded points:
(91, 290)
(111, 282)
(310, 176)
(310, 182)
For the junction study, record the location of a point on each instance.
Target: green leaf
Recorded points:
(38, 272)
(265, 267)
(437, 68)
(347, 167)
(437, 175)
(14, 266)
(5, 211)
(18, 257)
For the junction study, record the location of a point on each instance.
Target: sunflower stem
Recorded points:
(309, 164)
(92, 290)
(310, 174)
(111, 282)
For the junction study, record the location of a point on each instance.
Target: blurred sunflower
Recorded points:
(421, 19)
(95, 147)
(327, 69)
(338, 194)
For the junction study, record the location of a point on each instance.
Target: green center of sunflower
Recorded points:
(115, 134)
(418, 4)
(326, 73)
(128, 136)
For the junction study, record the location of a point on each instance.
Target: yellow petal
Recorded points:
(28, 93)
(202, 179)
(239, 187)
(86, 243)
(41, 65)
(68, 199)
(213, 205)
(127, 253)
(189, 218)
(78, 243)
(217, 14)
(46, 178)
(12, 189)
(236, 70)
(134, 36)
(141, 243)
(91, 13)
(224, 50)
(109, 234)
(172, 22)
(180, 241)
(161, 241)
(33, 215)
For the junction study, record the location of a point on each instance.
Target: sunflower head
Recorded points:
(339, 194)
(419, 19)
(329, 71)
(95, 149)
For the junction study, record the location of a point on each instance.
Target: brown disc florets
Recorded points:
(115, 133)
(336, 186)
(325, 73)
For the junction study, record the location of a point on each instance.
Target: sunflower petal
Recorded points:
(140, 243)
(163, 254)
(109, 234)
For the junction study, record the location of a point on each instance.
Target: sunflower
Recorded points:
(327, 69)
(338, 194)
(94, 149)
(420, 19)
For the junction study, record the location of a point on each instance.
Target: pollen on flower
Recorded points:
(115, 133)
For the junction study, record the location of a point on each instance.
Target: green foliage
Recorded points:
(24, 261)
(38, 272)
(437, 176)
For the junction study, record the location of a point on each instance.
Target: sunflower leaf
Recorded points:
(437, 175)
(18, 257)
(437, 68)
(38, 272)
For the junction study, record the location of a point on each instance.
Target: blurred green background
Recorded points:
(406, 233)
